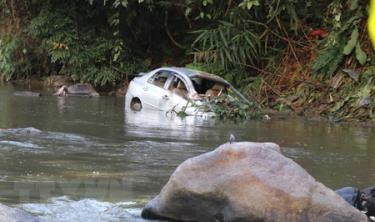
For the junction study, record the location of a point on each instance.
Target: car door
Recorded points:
(154, 92)
(176, 95)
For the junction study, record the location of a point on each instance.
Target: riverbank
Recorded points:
(52, 83)
(340, 99)
(347, 96)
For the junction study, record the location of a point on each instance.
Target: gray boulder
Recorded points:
(247, 182)
(8, 214)
(77, 90)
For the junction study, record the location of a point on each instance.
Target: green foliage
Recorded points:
(14, 58)
(360, 54)
(227, 44)
(7, 68)
(236, 76)
(249, 33)
(2, 8)
(345, 28)
(352, 42)
(329, 59)
(231, 107)
(72, 38)
(248, 4)
(83, 53)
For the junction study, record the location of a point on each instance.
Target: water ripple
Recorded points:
(19, 144)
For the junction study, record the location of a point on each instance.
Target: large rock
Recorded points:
(247, 182)
(8, 214)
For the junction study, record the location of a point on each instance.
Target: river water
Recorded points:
(94, 161)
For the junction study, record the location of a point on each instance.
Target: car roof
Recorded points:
(196, 73)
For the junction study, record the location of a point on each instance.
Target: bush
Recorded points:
(15, 59)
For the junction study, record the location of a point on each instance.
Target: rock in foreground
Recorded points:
(8, 214)
(247, 182)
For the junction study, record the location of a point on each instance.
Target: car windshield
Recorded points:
(208, 87)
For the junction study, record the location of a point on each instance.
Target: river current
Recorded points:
(95, 161)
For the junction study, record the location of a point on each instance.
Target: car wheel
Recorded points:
(136, 104)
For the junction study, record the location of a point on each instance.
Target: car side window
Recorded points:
(160, 78)
(178, 87)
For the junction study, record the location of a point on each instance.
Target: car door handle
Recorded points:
(165, 97)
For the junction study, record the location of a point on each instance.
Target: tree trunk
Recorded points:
(19, 12)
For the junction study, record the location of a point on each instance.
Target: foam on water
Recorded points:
(64, 209)
(19, 144)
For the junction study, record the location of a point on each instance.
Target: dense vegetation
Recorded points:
(311, 57)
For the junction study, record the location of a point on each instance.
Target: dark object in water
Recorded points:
(367, 199)
(363, 200)
(26, 93)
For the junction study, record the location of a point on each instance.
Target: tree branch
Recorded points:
(169, 33)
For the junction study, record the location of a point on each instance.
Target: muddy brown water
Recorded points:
(94, 160)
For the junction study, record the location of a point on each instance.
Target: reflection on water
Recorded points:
(93, 155)
(155, 124)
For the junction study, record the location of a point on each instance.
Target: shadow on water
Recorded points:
(92, 156)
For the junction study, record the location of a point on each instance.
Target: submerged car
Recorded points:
(176, 89)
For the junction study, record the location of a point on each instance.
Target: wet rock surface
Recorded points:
(247, 182)
(8, 214)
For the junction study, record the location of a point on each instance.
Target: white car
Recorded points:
(174, 89)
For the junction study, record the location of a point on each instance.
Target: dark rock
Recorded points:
(247, 182)
(26, 93)
(367, 201)
(8, 214)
